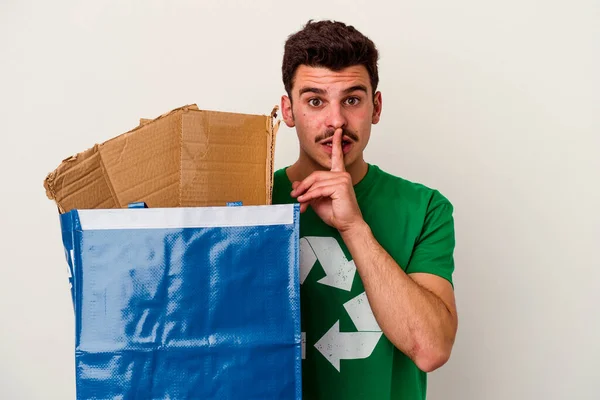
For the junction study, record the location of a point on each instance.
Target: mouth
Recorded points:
(347, 144)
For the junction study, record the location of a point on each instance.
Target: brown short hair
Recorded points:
(329, 44)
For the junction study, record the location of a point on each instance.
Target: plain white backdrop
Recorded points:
(496, 104)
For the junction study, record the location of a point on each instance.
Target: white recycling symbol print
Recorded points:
(339, 273)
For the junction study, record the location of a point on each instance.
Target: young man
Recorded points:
(376, 251)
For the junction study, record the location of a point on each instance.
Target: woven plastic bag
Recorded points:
(186, 303)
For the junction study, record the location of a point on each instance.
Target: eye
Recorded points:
(352, 101)
(315, 102)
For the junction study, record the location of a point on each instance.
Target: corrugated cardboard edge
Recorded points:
(50, 192)
(49, 181)
(88, 153)
(49, 186)
(272, 128)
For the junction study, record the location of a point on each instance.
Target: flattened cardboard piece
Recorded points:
(184, 158)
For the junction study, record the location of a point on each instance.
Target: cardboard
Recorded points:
(185, 158)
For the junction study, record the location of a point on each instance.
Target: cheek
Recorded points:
(363, 114)
(303, 131)
(360, 120)
(308, 123)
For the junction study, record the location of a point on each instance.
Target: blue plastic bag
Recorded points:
(186, 303)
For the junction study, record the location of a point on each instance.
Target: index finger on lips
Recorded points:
(337, 154)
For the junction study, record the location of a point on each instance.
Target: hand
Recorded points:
(330, 193)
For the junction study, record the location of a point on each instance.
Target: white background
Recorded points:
(494, 103)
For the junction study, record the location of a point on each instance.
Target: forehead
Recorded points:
(329, 80)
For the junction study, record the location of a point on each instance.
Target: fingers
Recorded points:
(323, 191)
(339, 180)
(337, 154)
(333, 187)
(319, 176)
(301, 187)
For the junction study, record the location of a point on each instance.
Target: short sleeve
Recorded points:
(434, 249)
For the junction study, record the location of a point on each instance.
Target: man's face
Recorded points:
(323, 101)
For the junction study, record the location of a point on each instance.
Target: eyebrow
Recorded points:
(355, 88)
(361, 88)
(311, 90)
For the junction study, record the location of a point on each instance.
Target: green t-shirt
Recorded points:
(345, 355)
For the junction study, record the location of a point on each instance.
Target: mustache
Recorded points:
(329, 133)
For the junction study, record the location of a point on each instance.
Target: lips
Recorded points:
(327, 145)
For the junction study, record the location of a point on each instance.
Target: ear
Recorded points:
(376, 108)
(286, 111)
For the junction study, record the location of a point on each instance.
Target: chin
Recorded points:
(326, 164)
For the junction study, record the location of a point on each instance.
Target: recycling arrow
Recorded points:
(336, 345)
(361, 314)
(339, 272)
(308, 258)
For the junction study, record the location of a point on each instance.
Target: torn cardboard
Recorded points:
(185, 158)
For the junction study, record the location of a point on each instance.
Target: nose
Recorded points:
(336, 117)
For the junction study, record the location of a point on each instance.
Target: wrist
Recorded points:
(356, 232)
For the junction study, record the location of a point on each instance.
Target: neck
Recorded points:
(305, 166)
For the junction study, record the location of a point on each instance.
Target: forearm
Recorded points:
(413, 318)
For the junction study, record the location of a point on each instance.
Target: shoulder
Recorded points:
(280, 172)
(412, 194)
(280, 178)
(281, 187)
(423, 216)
